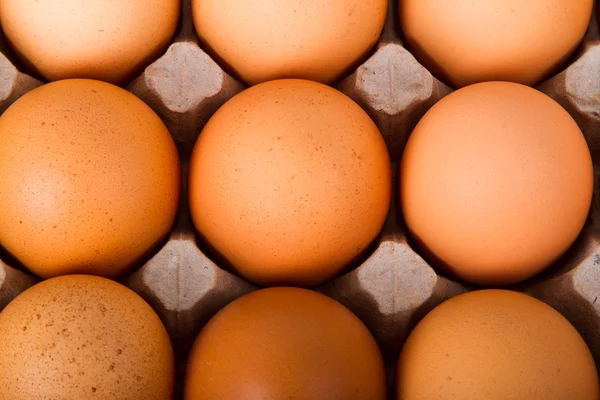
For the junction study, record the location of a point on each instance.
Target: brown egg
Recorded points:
(496, 183)
(285, 343)
(465, 41)
(496, 345)
(110, 40)
(83, 337)
(263, 40)
(89, 179)
(289, 183)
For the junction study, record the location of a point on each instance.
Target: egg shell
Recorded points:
(496, 344)
(283, 343)
(264, 40)
(290, 182)
(89, 179)
(465, 42)
(496, 183)
(109, 40)
(83, 337)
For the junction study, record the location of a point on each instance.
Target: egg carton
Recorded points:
(394, 286)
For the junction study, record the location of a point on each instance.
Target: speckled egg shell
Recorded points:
(289, 183)
(83, 337)
(89, 179)
(109, 40)
(496, 345)
(285, 343)
(263, 40)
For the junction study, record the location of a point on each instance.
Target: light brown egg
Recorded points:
(109, 40)
(496, 183)
(285, 343)
(465, 41)
(496, 345)
(89, 179)
(289, 183)
(83, 337)
(263, 40)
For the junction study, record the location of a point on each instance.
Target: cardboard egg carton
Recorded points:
(393, 287)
